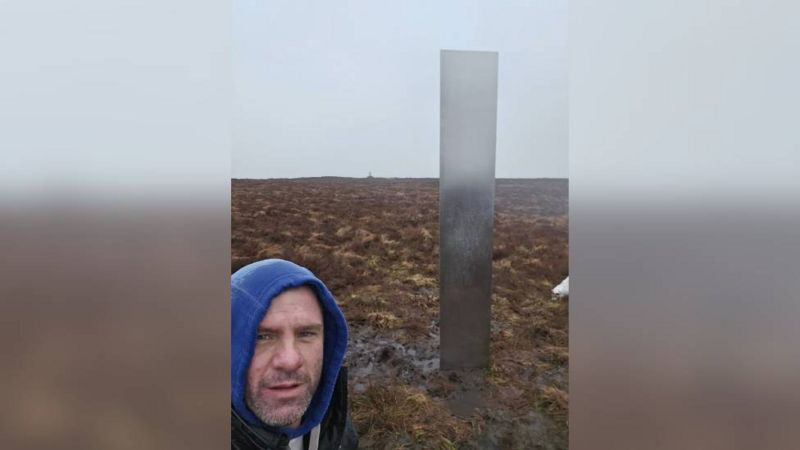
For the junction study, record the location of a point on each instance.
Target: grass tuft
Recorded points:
(383, 320)
(402, 416)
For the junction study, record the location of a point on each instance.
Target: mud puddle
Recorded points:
(380, 355)
(385, 357)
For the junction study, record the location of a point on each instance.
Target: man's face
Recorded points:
(287, 360)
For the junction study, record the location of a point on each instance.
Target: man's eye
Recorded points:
(308, 334)
(263, 337)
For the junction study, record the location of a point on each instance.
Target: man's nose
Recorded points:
(287, 358)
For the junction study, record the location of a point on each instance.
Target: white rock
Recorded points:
(562, 290)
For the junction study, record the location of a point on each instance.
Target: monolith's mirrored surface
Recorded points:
(466, 205)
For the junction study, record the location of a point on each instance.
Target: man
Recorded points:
(288, 341)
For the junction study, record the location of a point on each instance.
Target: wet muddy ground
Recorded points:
(375, 356)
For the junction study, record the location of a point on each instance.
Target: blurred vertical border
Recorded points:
(684, 225)
(114, 224)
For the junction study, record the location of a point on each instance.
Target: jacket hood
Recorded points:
(252, 289)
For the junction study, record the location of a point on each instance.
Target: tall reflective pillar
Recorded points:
(468, 129)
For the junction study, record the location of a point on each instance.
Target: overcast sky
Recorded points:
(347, 88)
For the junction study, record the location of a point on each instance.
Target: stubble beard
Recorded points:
(281, 413)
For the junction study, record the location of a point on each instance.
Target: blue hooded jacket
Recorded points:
(252, 289)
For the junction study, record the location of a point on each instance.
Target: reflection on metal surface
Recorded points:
(466, 205)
